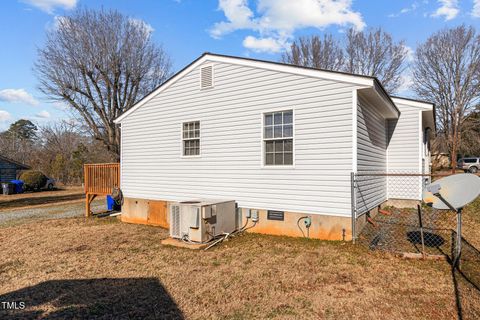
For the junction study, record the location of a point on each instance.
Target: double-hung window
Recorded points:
(278, 138)
(191, 138)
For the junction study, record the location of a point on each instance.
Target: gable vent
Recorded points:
(206, 74)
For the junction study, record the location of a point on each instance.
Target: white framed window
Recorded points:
(278, 138)
(191, 138)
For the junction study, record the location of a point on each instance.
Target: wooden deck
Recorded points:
(100, 179)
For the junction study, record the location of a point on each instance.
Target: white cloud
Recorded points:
(263, 44)
(238, 14)
(44, 114)
(5, 116)
(17, 96)
(405, 10)
(476, 9)
(275, 21)
(448, 9)
(142, 25)
(49, 6)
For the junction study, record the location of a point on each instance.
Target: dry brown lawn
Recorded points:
(76, 268)
(41, 198)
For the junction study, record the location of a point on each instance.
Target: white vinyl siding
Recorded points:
(230, 166)
(403, 153)
(371, 156)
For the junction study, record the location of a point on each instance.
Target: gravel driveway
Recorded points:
(54, 211)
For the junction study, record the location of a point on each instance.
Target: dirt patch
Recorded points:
(41, 198)
(101, 268)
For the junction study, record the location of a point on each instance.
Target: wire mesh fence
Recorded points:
(420, 230)
(388, 214)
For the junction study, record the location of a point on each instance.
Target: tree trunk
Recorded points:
(454, 150)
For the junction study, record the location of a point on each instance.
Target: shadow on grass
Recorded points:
(39, 200)
(430, 239)
(466, 280)
(123, 298)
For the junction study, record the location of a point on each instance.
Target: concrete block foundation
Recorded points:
(325, 227)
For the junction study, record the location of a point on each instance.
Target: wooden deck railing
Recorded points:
(99, 180)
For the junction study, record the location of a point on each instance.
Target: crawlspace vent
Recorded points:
(275, 215)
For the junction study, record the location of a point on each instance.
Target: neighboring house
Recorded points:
(9, 169)
(272, 137)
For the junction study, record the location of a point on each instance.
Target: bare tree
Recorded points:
(371, 53)
(100, 63)
(375, 53)
(470, 136)
(447, 71)
(315, 52)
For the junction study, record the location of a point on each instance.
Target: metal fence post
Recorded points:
(458, 252)
(353, 206)
(420, 222)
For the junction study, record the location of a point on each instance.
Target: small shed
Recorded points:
(9, 169)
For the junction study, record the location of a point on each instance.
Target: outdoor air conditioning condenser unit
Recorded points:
(201, 220)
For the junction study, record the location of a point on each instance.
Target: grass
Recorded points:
(104, 268)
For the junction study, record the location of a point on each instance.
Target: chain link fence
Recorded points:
(388, 215)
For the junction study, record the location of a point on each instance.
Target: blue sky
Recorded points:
(187, 28)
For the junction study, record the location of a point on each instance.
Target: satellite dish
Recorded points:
(458, 190)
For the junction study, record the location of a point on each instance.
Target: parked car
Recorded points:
(50, 184)
(471, 164)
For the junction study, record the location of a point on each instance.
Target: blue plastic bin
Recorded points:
(18, 185)
(112, 205)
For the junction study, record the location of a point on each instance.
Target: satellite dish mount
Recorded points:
(435, 190)
(453, 193)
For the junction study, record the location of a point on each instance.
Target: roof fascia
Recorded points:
(413, 103)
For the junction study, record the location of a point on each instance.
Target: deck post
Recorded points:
(87, 205)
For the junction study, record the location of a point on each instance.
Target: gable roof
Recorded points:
(361, 80)
(19, 165)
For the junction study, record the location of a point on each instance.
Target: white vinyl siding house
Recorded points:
(270, 136)
(231, 162)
